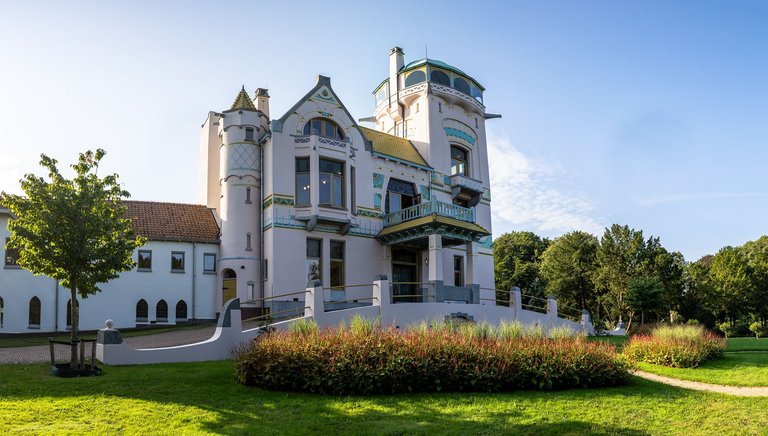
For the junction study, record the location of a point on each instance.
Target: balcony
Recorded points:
(413, 225)
(466, 188)
(425, 209)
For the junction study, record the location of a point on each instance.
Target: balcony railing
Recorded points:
(426, 209)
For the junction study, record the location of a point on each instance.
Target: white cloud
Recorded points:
(651, 201)
(525, 195)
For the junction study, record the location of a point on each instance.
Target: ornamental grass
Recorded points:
(679, 346)
(377, 360)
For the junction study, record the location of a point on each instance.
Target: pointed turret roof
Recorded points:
(243, 101)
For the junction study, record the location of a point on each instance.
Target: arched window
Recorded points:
(34, 312)
(2, 311)
(461, 85)
(324, 127)
(69, 312)
(459, 161)
(181, 311)
(440, 77)
(414, 78)
(142, 311)
(161, 313)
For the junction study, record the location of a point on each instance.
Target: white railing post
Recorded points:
(516, 298)
(381, 292)
(314, 306)
(551, 310)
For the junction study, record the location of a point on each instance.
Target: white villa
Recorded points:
(311, 199)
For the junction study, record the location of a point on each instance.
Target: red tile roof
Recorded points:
(173, 221)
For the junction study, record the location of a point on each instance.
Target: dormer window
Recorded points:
(325, 128)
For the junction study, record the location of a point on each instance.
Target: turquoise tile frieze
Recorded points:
(377, 201)
(424, 191)
(378, 180)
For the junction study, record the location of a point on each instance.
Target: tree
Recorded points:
(621, 257)
(756, 253)
(667, 268)
(644, 295)
(72, 230)
(568, 267)
(731, 285)
(517, 256)
(697, 288)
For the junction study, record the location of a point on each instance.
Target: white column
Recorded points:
(551, 310)
(516, 300)
(382, 298)
(313, 301)
(469, 277)
(435, 257)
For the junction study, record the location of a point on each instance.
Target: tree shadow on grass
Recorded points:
(210, 387)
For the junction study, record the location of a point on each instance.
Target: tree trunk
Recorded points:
(74, 313)
(642, 317)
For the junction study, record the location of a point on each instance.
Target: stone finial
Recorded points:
(108, 324)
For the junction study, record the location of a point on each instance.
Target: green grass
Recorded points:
(10, 340)
(204, 398)
(618, 341)
(747, 344)
(733, 369)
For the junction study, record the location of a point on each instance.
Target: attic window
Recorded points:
(323, 127)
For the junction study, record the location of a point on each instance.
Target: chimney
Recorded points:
(262, 101)
(395, 65)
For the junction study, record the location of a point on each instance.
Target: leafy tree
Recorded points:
(667, 268)
(756, 253)
(697, 288)
(644, 295)
(568, 267)
(517, 257)
(72, 230)
(621, 257)
(731, 284)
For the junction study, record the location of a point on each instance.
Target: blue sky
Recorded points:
(651, 114)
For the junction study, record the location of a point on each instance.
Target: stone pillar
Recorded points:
(469, 276)
(551, 310)
(586, 322)
(382, 298)
(314, 301)
(435, 258)
(516, 300)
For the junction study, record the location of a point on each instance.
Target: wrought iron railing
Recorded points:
(425, 209)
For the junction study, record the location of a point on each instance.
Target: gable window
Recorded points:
(324, 127)
(34, 313)
(459, 161)
(145, 260)
(11, 256)
(400, 195)
(177, 261)
(331, 183)
(314, 258)
(249, 134)
(209, 263)
(302, 181)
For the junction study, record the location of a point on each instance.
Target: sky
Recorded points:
(651, 114)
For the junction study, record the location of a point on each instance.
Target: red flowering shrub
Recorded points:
(384, 361)
(678, 347)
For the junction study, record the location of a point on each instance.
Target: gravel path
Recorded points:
(41, 353)
(707, 387)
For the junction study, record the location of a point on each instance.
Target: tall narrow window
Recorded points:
(248, 195)
(177, 261)
(142, 311)
(458, 271)
(353, 191)
(11, 255)
(181, 311)
(331, 183)
(69, 312)
(161, 311)
(249, 134)
(459, 161)
(302, 181)
(337, 263)
(34, 313)
(145, 260)
(248, 242)
(314, 259)
(2, 311)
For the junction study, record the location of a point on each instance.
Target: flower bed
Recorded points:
(383, 361)
(684, 346)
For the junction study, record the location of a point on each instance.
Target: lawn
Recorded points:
(733, 369)
(747, 344)
(11, 340)
(204, 398)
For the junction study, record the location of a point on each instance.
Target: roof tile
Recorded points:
(173, 221)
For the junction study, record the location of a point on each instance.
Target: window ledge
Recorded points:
(210, 272)
(178, 271)
(34, 326)
(328, 206)
(144, 269)
(12, 267)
